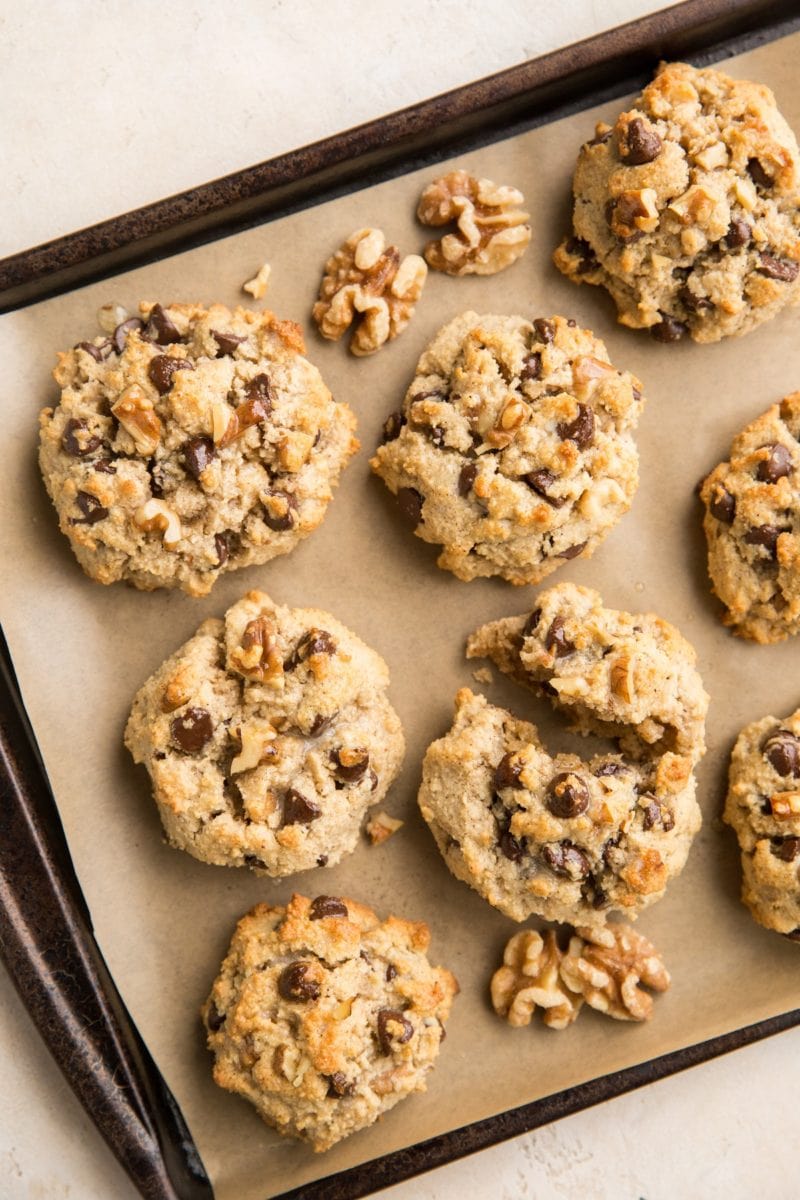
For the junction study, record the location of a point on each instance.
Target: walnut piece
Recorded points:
(365, 282)
(607, 965)
(492, 230)
(136, 414)
(155, 515)
(257, 286)
(380, 827)
(258, 657)
(530, 976)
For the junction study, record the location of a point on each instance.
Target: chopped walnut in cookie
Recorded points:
(380, 827)
(367, 283)
(492, 231)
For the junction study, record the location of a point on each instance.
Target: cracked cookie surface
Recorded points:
(324, 1017)
(514, 448)
(763, 808)
(190, 442)
(752, 525)
(267, 736)
(687, 210)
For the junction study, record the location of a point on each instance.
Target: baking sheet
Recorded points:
(163, 920)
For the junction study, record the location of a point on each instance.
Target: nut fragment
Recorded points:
(136, 414)
(255, 736)
(257, 286)
(365, 282)
(258, 657)
(109, 316)
(492, 230)
(381, 826)
(607, 966)
(155, 515)
(530, 977)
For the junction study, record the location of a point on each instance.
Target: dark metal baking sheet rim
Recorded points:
(46, 939)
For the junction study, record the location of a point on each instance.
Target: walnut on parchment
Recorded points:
(366, 282)
(530, 977)
(492, 230)
(609, 965)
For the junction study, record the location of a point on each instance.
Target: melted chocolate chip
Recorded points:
(294, 983)
(778, 465)
(739, 234)
(222, 548)
(391, 427)
(314, 641)
(339, 1085)
(393, 1027)
(350, 765)
(120, 334)
(766, 536)
(507, 772)
(584, 252)
(226, 341)
(327, 906)
(192, 729)
(98, 353)
(466, 477)
(297, 810)
(581, 430)
(105, 466)
(657, 815)
(545, 330)
(259, 394)
(642, 144)
(391, 972)
(198, 452)
(777, 268)
(91, 508)
(611, 768)
(669, 329)
(79, 447)
(410, 502)
(556, 640)
(162, 369)
(567, 860)
(214, 1018)
(694, 303)
(567, 795)
(531, 367)
(541, 481)
(161, 328)
(280, 522)
(252, 860)
(782, 751)
(758, 173)
(510, 846)
(722, 504)
(322, 861)
(532, 623)
(786, 849)
(573, 551)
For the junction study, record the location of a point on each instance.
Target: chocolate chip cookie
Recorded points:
(324, 1017)
(687, 209)
(763, 807)
(190, 442)
(267, 736)
(514, 447)
(752, 524)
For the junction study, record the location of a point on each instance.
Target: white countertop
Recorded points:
(109, 105)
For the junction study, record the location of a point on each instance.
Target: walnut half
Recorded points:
(492, 231)
(530, 977)
(366, 283)
(608, 965)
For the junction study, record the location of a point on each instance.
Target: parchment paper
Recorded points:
(164, 920)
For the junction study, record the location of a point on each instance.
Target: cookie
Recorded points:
(557, 836)
(628, 676)
(752, 524)
(514, 448)
(324, 1017)
(687, 210)
(267, 736)
(763, 807)
(188, 443)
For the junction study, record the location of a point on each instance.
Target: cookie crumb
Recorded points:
(381, 826)
(483, 675)
(257, 286)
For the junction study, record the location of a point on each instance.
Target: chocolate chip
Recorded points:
(214, 1018)
(221, 547)
(758, 174)
(313, 641)
(694, 303)
(161, 328)
(466, 478)
(739, 234)
(545, 330)
(641, 145)
(91, 508)
(322, 861)
(280, 522)
(782, 751)
(656, 813)
(722, 504)
(156, 472)
(198, 452)
(162, 368)
(77, 446)
(531, 367)
(120, 334)
(226, 341)
(583, 251)
(297, 810)
(105, 466)
(567, 795)
(766, 536)
(573, 551)
(391, 427)
(192, 729)
(567, 860)
(556, 640)
(327, 906)
(777, 268)
(532, 623)
(410, 502)
(391, 972)
(507, 772)
(786, 849)
(258, 393)
(778, 465)
(320, 724)
(669, 329)
(794, 936)
(350, 765)
(98, 353)
(541, 481)
(339, 1085)
(581, 430)
(510, 846)
(611, 768)
(294, 983)
(593, 893)
(600, 138)
(392, 1027)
